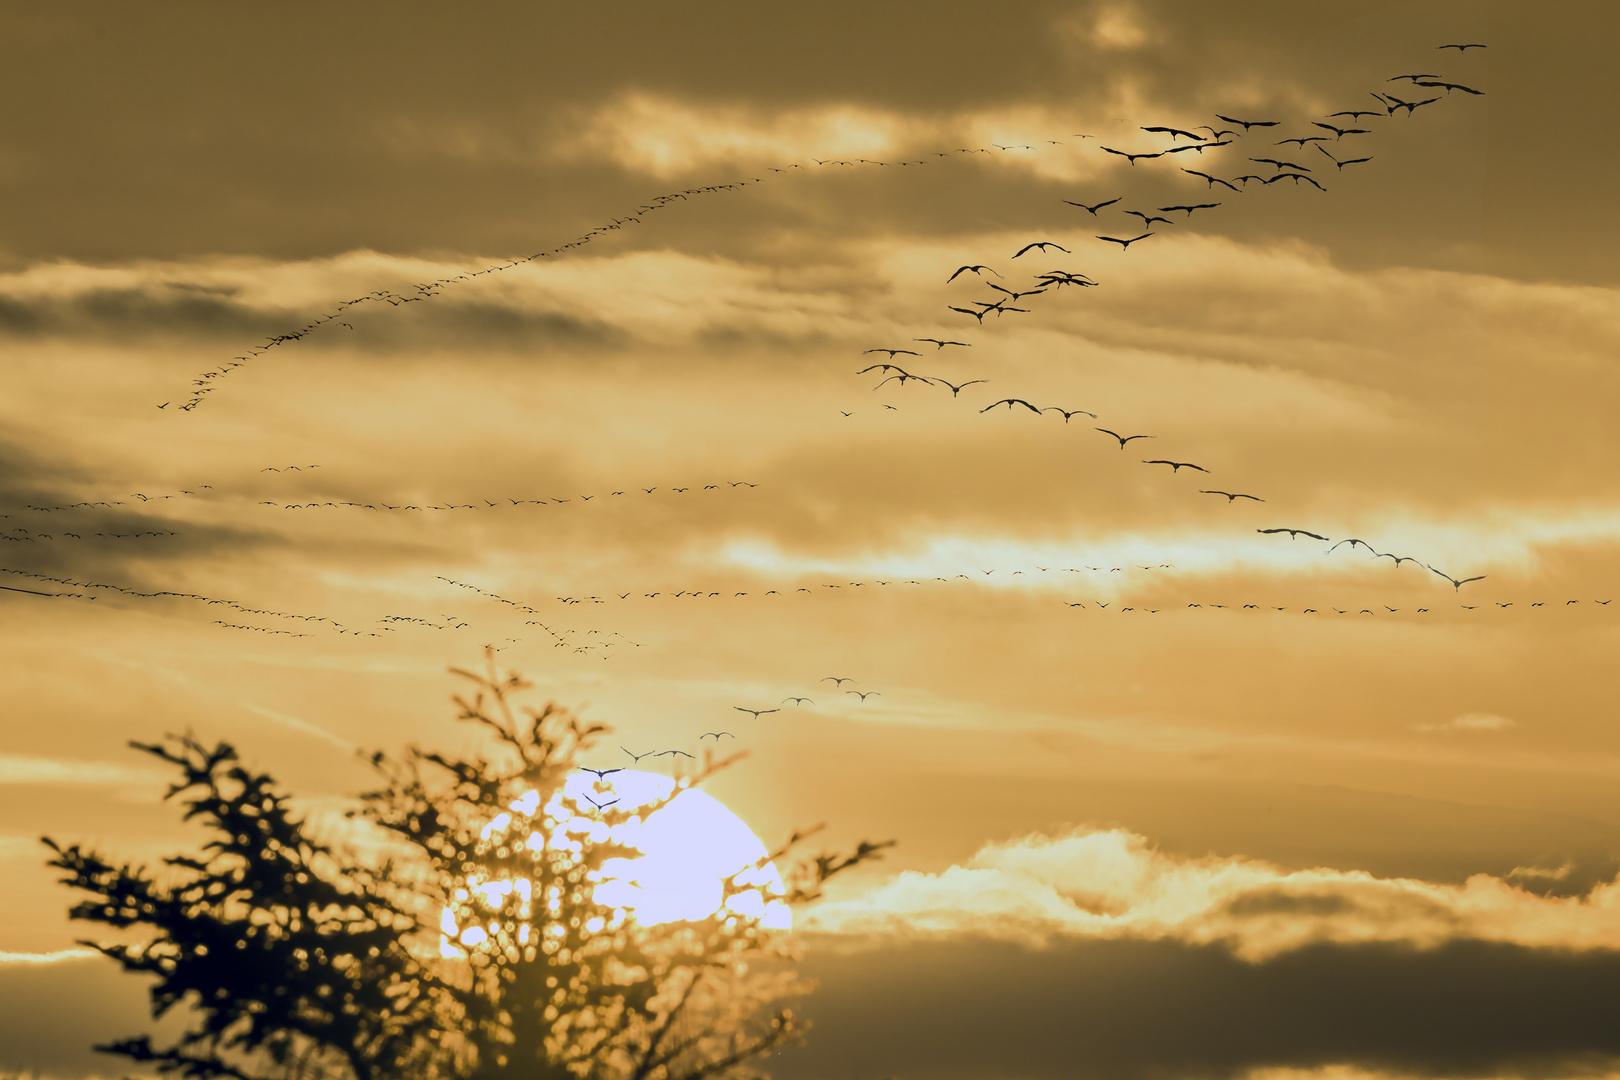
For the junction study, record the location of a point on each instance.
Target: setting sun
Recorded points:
(690, 848)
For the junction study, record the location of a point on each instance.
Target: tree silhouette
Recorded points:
(300, 959)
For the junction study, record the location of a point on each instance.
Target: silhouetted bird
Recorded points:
(1123, 439)
(1010, 402)
(1042, 245)
(1455, 583)
(1247, 124)
(974, 269)
(1131, 157)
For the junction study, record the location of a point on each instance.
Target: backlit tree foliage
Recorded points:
(296, 959)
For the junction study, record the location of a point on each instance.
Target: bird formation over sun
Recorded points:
(1241, 157)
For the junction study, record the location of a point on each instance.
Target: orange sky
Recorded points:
(1118, 731)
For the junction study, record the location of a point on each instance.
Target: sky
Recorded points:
(343, 342)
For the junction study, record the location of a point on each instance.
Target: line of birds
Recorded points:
(1354, 542)
(1052, 280)
(1314, 611)
(496, 504)
(31, 537)
(1056, 279)
(207, 600)
(204, 384)
(422, 291)
(487, 504)
(797, 700)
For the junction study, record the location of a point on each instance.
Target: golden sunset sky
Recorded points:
(1174, 797)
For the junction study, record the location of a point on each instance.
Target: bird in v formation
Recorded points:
(1392, 104)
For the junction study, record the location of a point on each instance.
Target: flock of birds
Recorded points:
(1389, 104)
(1334, 140)
(1181, 140)
(604, 786)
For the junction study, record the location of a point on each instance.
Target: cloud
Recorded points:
(1133, 1010)
(57, 957)
(1474, 721)
(1113, 884)
(56, 772)
(1117, 27)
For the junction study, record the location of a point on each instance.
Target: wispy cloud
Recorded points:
(36, 959)
(17, 769)
(1474, 721)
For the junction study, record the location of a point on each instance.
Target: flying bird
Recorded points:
(1149, 219)
(600, 773)
(1232, 496)
(1409, 106)
(1342, 164)
(941, 344)
(1176, 466)
(1011, 295)
(1131, 157)
(955, 388)
(975, 269)
(1213, 180)
(836, 680)
(1092, 210)
(1455, 584)
(1398, 558)
(716, 735)
(796, 700)
(1191, 208)
(1450, 86)
(864, 694)
(1174, 132)
(1010, 402)
(893, 352)
(967, 311)
(1042, 245)
(1124, 244)
(904, 378)
(1352, 541)
(1462, 49)
(1247, 124)
(1342, 132)
(1294, 534)
(1296, 178)
(1069, 412)
(1123, 439)
(1279, 164)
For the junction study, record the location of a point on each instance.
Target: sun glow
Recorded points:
(691, 848)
